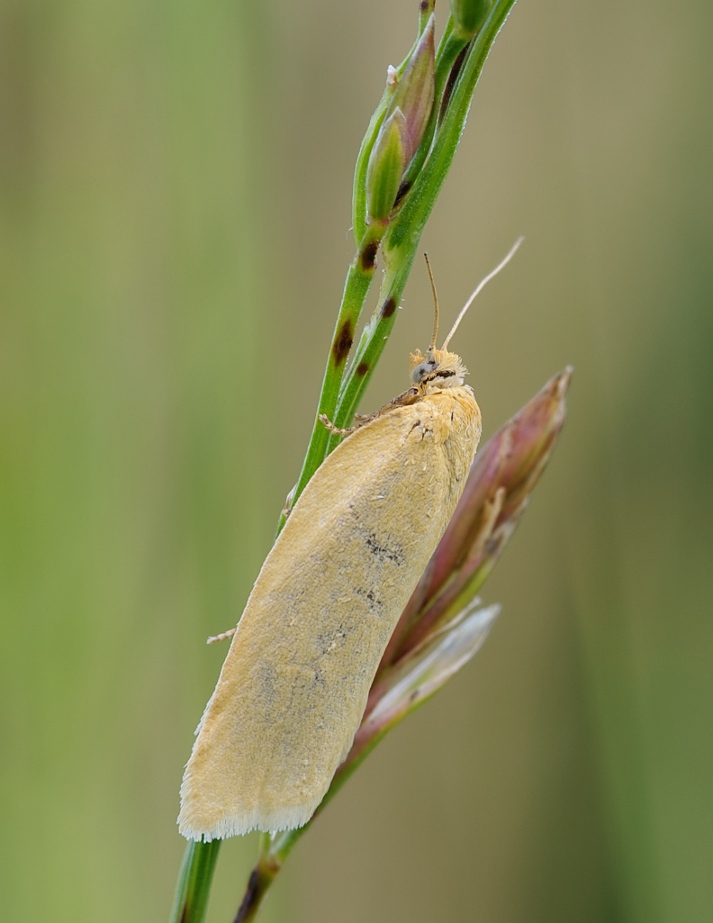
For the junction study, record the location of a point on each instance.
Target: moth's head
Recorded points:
(440, 369)
(437, 369)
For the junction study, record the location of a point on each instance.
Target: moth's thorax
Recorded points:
(437, 370)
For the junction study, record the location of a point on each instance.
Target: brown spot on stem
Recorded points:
(452, 77)
(389, 307)
(253, 893)
(343, 343)
(362, 368)
(403, 190)
(368, 256)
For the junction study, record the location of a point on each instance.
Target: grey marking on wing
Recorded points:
(383, 552)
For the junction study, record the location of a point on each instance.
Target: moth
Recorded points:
(294, 685)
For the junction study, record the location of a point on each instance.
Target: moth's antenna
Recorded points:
(435, 304)
(481, 285)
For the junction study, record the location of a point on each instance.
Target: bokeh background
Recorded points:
(174, 235)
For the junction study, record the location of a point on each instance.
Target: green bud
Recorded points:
(469, 15)
(415, 90)
(387, 165)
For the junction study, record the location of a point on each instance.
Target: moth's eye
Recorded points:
(422, 371)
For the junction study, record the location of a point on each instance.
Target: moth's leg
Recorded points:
(223, 636)
(325, 421)
(289, 500)
(401, 400)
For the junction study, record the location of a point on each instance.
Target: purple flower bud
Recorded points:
(415, 90)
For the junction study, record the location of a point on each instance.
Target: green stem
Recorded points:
(359, 277)
(421, 199)
(402, 239)
(399, 245)
(342, 390)
(374, 336)
(194, 881)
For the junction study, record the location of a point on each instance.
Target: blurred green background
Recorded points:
(175, 184)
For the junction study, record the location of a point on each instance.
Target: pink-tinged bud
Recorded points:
(469, 16)
(499, 484)
(415, 90)
(403, 128)
(385, 171)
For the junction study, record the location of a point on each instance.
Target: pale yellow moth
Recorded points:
(294, 684)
